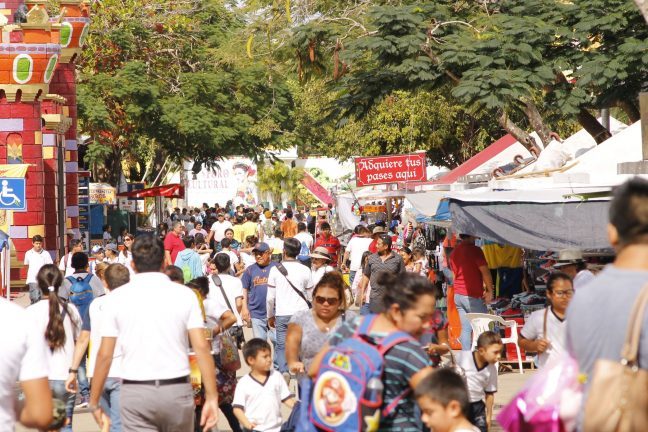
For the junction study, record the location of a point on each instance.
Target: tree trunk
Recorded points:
(521, 135)
(592, 126)
(630, 109)
(538, 124)
(643, 7)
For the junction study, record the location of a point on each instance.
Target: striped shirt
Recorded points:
(401, 363)
(375, 265)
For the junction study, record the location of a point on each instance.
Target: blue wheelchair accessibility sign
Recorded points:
(12, 194)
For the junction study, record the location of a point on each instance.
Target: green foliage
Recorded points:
(156, 82)
(278, 180)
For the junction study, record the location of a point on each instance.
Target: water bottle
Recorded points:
(373, 394)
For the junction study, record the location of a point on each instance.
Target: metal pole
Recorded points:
(643, 107)
(605, 118)
(61, 197)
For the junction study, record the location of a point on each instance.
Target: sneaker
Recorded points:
(82, 404)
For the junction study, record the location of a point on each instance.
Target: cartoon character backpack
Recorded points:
(347, 394)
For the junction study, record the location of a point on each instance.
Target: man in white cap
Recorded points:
(571, 262)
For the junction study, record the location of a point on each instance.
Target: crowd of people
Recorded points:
(117, 330)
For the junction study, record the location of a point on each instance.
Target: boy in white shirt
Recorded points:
(545, 331)
(443, 398)
(35, 258)
(258, 395)
(481, 377)
(65, 265)
(113, 276)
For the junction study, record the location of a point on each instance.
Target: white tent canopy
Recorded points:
(426, 203)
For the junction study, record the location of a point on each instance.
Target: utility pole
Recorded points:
(639, 167)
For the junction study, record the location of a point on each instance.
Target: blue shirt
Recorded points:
(255, 281)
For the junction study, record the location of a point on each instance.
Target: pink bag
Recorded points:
(549, 402)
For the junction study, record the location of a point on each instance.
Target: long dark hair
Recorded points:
(50, 276)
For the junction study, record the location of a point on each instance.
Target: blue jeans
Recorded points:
(84, 385)
(59, 392)
(260, 330)
(34, 292)
(466, 305)
(110, 402)
(364, 309)
(352, 275)
(281, 323)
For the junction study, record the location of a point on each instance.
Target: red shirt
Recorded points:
(372, 246)
(332, 245)
(465, 261)
(173, 244)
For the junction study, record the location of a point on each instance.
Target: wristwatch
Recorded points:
(73, 370)
(93, 407)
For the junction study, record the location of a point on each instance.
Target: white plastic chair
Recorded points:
(481, 322)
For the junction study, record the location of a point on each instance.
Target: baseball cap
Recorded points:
(96, 249)
(261, 247)
(111, 246)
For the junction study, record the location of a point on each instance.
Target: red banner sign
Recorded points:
(390, 169)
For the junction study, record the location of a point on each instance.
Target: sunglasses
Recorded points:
(328, 300)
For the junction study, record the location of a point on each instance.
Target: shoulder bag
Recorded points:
(284, 272)
(618, 395)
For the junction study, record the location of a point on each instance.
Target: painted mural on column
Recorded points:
(38, 116)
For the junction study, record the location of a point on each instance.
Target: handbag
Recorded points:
(618, 395)
(229, 354)
(235, 331)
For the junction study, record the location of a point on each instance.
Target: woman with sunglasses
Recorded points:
(408, 305)
(125, 256)
(309, 330)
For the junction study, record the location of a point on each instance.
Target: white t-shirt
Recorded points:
(151, 315)
(219, 229)
(214, 311)
(480, 381)
(556, 333)
(247, 259)
(261, 401)
(126, 260)
(583, 278)
(356, 247)
(316, 275)
(65, 265)
(97, 317)
(61, 359)
(234, 259)
(276, 245)
(305, 237)
(282, 295)
(36, 260)
(107, 237)
(24, 357)
(233, 289)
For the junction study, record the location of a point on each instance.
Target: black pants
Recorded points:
(477, 415)
(228, 412)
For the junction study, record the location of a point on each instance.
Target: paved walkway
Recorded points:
(509, 384)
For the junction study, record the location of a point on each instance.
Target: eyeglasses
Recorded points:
(128, 240)
(329, 300)
(567, 293)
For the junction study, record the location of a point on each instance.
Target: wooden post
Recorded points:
(643, 107)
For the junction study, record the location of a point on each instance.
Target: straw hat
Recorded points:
(321, 252)
(568, 257)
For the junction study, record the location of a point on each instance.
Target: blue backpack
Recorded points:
(304, 252)
(81, 294)
(346, 395)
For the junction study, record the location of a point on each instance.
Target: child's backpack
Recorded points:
(347, 394)
(304, 252)
(81, 294)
